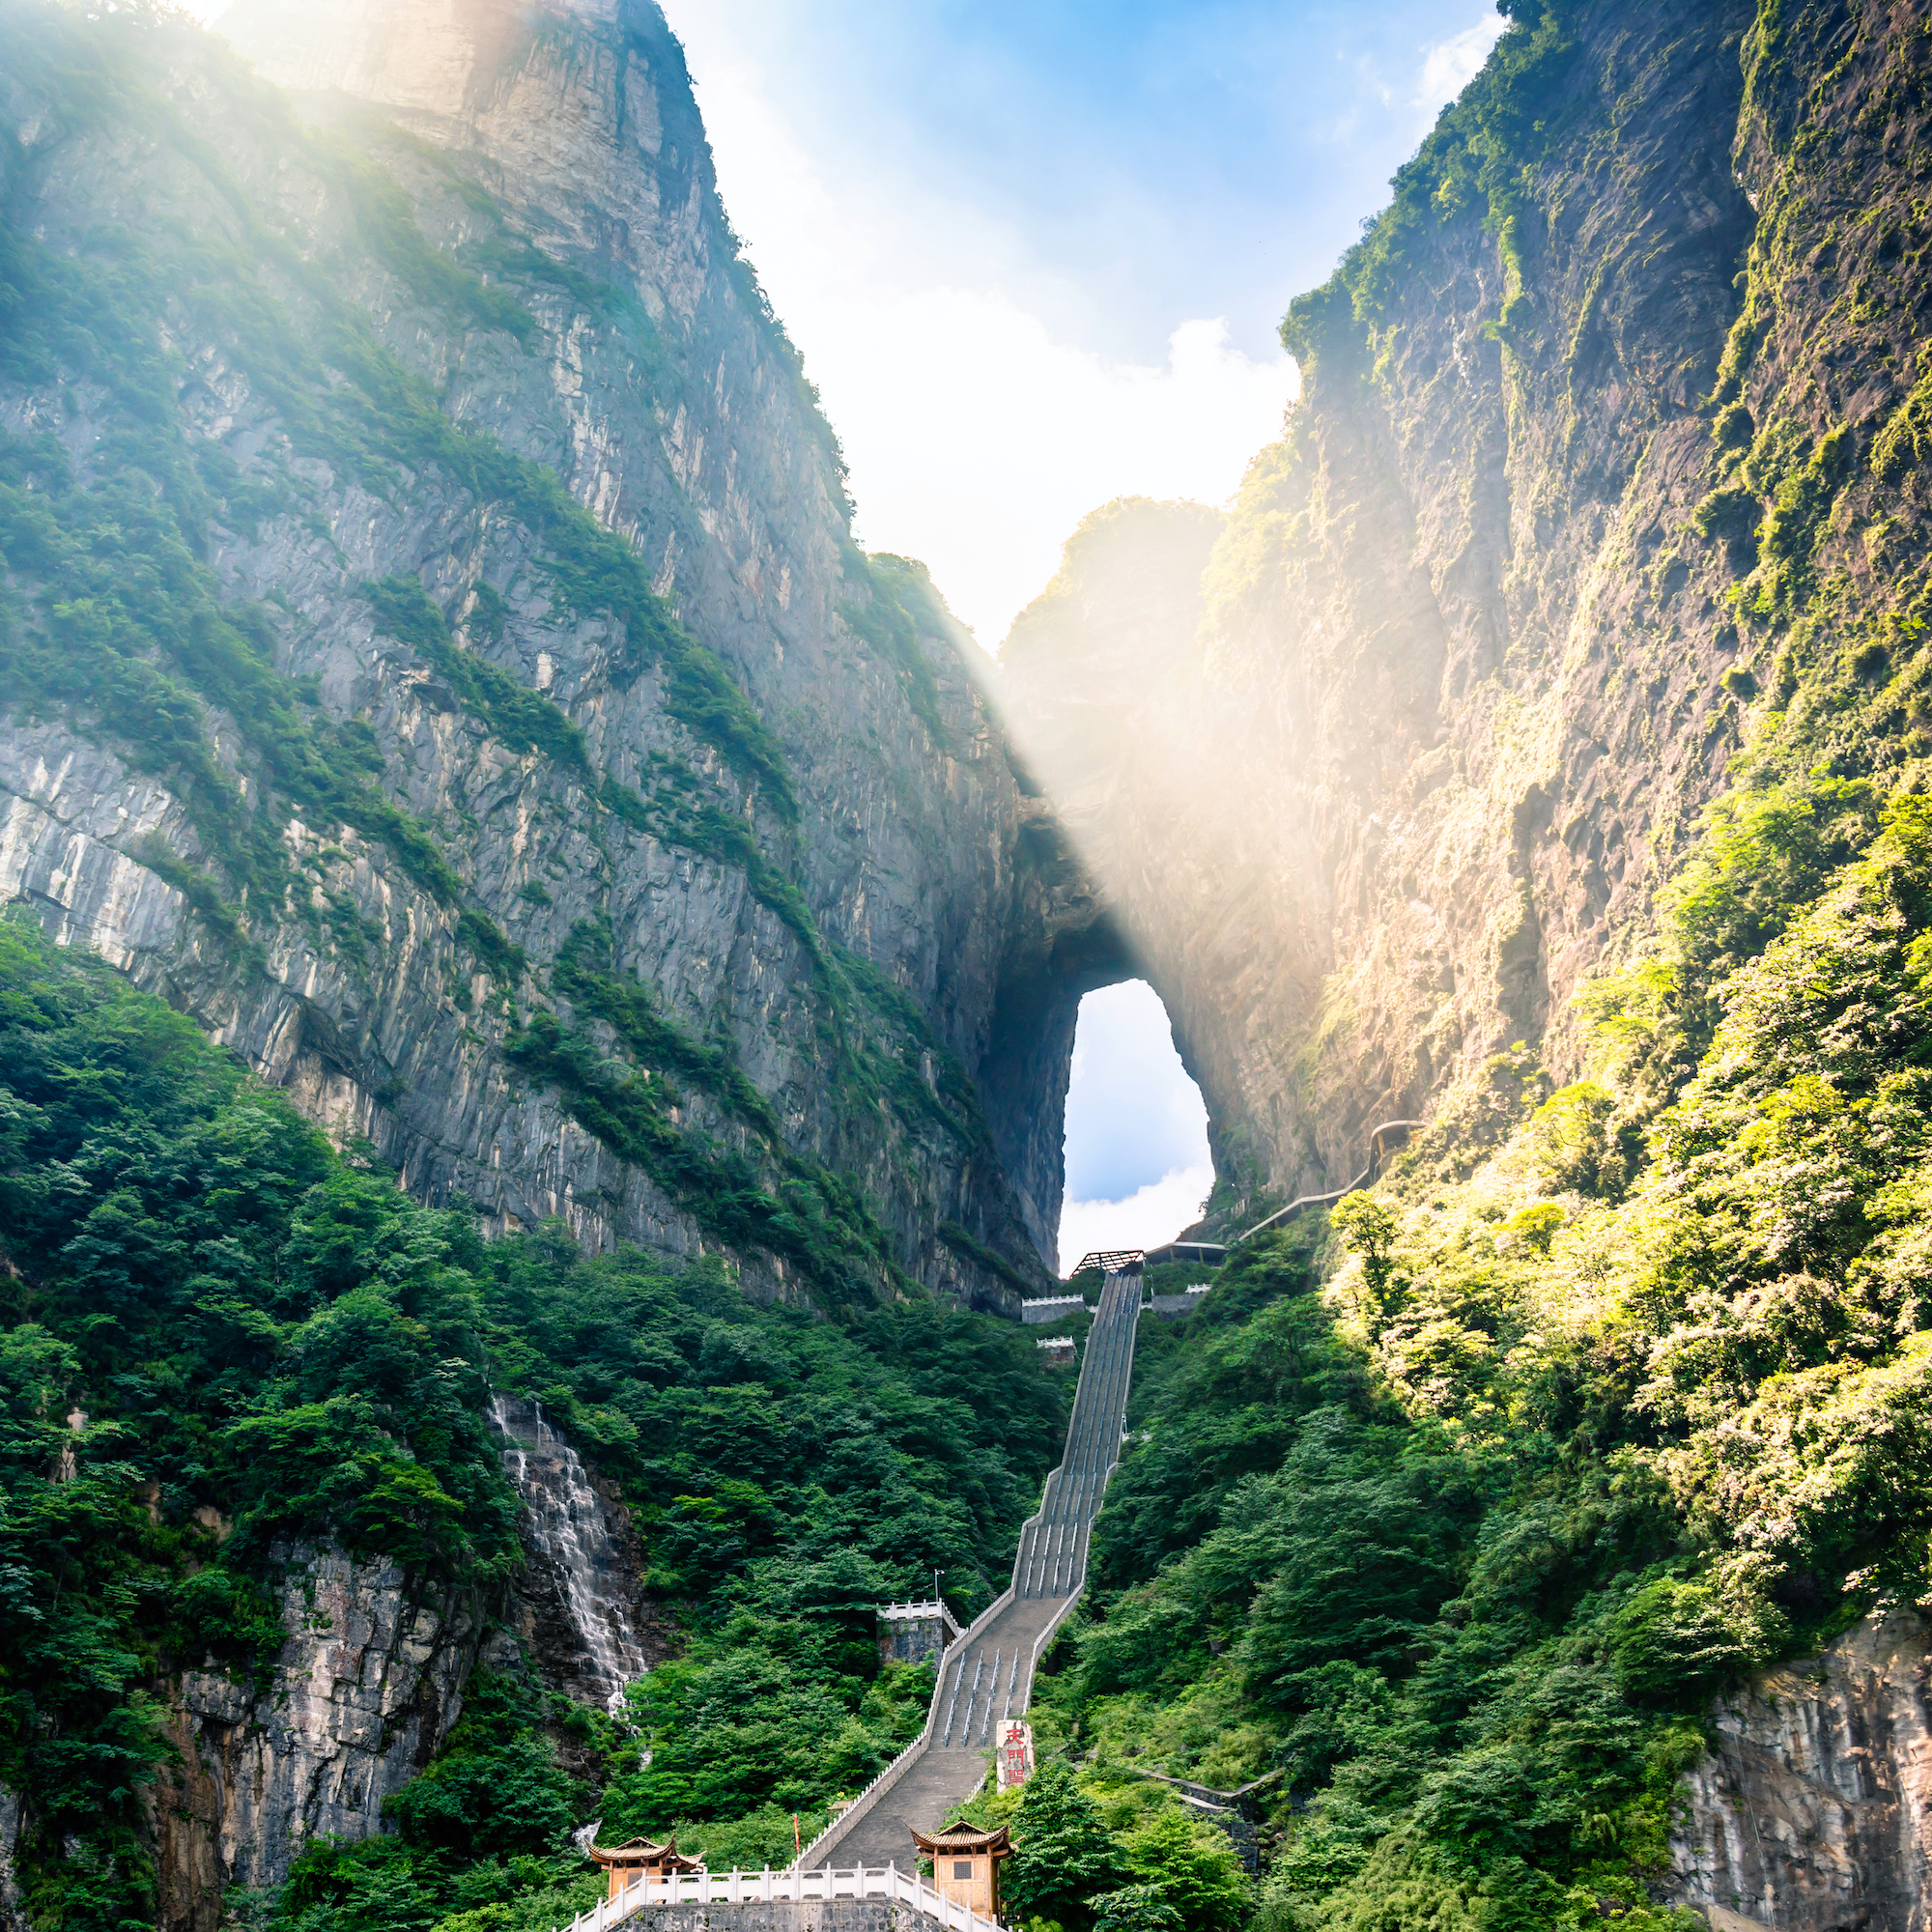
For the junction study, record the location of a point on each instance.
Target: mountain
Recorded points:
(1536, 751)
(1602, 498)
(535, 1015)
(439, 659)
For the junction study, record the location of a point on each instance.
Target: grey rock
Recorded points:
(1814, 1811)
(579, 1607)
(665, 401)
(13, 1904)
(365, 1689)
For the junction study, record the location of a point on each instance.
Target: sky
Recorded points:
(1137, 1163)
(1036, 253)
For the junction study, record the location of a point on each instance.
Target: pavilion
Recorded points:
(639, 1859)
(965, 1864)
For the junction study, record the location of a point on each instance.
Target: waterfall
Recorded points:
(575, 1557)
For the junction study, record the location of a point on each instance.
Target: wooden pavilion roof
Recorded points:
(955, 1838)
(642, 1851)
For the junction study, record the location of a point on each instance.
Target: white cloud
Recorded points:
(1132, 1113)
(978, 437)
(1449, 65)
(1157, 1213)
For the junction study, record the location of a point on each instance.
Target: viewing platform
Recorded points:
(1051, 1308)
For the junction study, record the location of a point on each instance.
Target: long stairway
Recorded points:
(988, 1674)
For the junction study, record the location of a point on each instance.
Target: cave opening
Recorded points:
(1136, 1162)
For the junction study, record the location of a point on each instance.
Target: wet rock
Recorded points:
(579, 1607)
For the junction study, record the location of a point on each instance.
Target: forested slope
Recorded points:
(226, 1342)
(1462, 1510)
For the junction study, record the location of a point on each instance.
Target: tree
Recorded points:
(1190, 1868)
(1134, 1908)
(1062, 1854)
(1370, 1229)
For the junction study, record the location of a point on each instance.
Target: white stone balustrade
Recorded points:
(735, 1888)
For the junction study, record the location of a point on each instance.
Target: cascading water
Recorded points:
(578, 1561)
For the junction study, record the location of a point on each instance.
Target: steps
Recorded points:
(987, 1675)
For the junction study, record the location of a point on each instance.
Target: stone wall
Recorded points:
(784, 1914)
(915, 1640)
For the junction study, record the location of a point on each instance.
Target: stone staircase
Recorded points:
(987, 1675)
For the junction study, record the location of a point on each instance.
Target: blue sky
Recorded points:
(1036, 254)
(1144, 162)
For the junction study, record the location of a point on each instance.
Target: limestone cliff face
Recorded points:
(1375, 789)
(579, 817)
(1814, 1813)
(360, 1698)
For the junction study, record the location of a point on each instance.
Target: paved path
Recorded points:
(987, 1675)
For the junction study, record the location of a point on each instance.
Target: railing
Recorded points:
(1361, 1181)
(734, 1888)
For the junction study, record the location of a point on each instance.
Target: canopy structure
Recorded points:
(1111, 1261)
(962, 1840)
(638, 1858)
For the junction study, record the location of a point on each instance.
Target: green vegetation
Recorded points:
(110, 618)
(1107, 1852)
(1459, 1506)
(223, 1340)
(523, 719)
(899, 599)
(1477, 157)
(816, 1220)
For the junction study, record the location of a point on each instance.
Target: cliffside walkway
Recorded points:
(987, 1675)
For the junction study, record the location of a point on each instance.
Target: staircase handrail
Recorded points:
(1079, 1590)
(837, 1826)
(1302, 1200)
(795, 1884)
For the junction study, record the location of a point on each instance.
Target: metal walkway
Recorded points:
(988, 1674)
